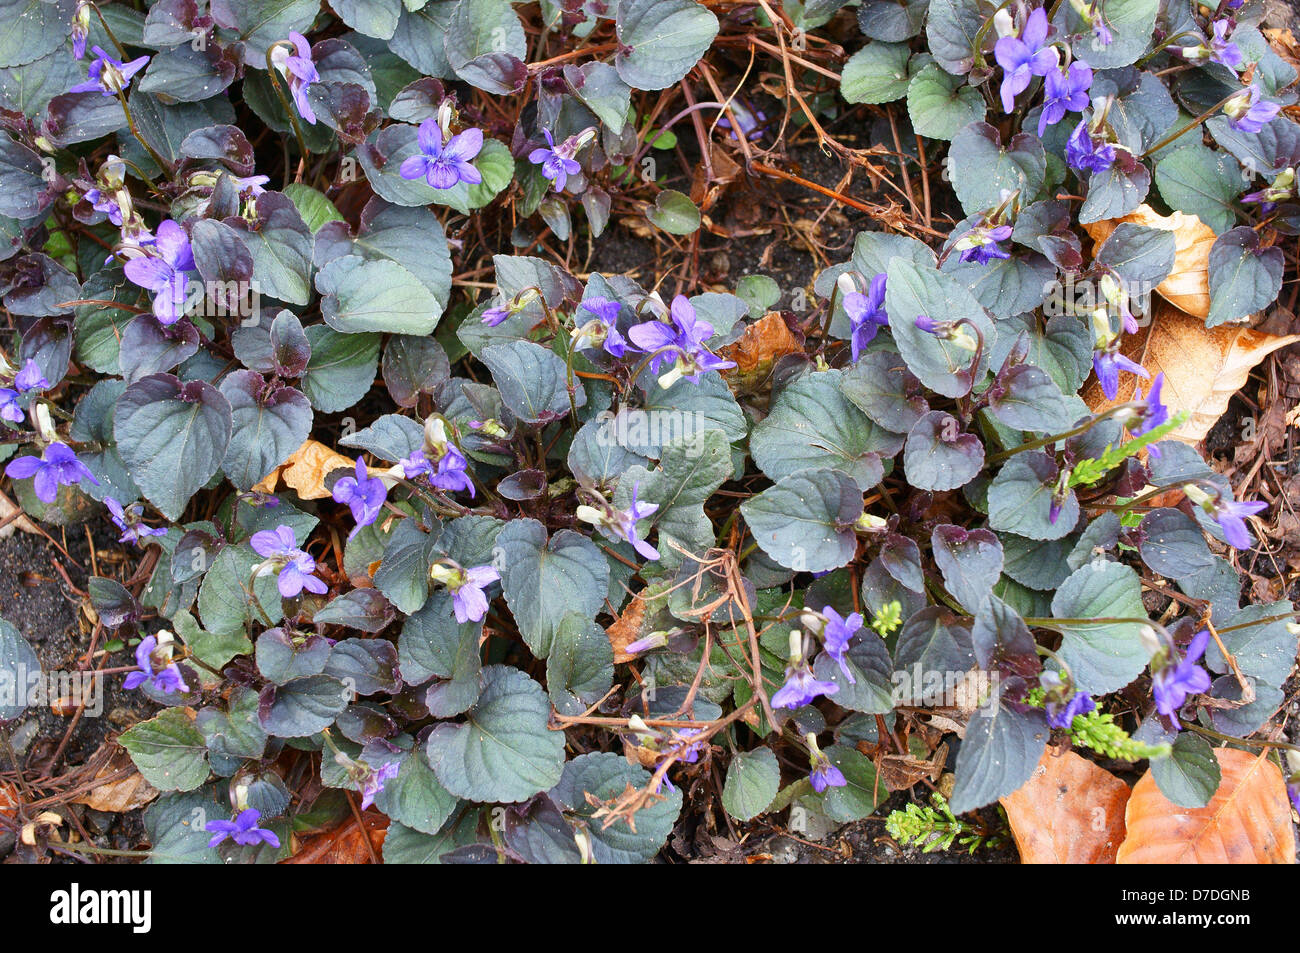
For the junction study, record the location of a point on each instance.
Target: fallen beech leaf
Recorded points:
(345, 844)
(1203, 367)
(1070, 811)
(1248, 821)
(305, 471)
(762, 343)
(14, 523)
(1188, 285)
(626, 628)
(124, 794)
(8, 799)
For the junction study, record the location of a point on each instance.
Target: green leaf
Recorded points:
(674, 212)
(432, 644)
(533, 381)
(805, 522)
(1026, 398)
(377, 295)
(940, 104)
(1191, 774)
(938, 456)
(1020, 499)
(877, 73)
(604, 776)
(1244, 278)
(160, 422)
(1201, 182)
(341, 368)
(941, 365)
(168, 750)
(313, 206)
(19, 667)
(661, 40)
(1131, 23)
(305, 706)
(1102, 656)
(970, 560)
(503, 751)
(691, 470)
(580, 668)
(415, 798)
(864, 791)
(981, 167)
(813, 424)
(281, 247)
(999, 753)
(546, 580)
(269, 424)
(753, 778)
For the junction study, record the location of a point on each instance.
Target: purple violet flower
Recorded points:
(837, 634)
(800, 687)
(128, 520)
(163, 273)
(750, 122)
(9, 408)
(1064, 92)
(1231, 517)
(242, 830)
(444, 165)
(1085, 153)
(682, 341)
(1247, 113)
(602, 330)
(109, 76)
(58, 465)
(980, 244)
(302, 73)
(30, 378)
(105, 202)
(1062, 716)
(1024, 57)
(1152, 413)
(557, 162)
(1176, 681)
(363, 495)
(296, 567)
(1222, 50)
(627, 521)
(166, 679)
(466, 587)
(867, 314)
(375, 783)
(1108, 362)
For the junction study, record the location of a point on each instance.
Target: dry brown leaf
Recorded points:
(626, 628)
(1203, 367)
(754, 353)
(345, 844)
(1188, 285)
(1070, 811)
(1248, 821)
(9, 799)
(122, 795)
(305, 471)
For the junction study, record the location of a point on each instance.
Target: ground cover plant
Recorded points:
(446, 545)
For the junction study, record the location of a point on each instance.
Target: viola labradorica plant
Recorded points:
(427, 513)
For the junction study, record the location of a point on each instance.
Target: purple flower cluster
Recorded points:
(109, 76)
(601, 331)
(557, 162)
(302, 73)
(980, 244)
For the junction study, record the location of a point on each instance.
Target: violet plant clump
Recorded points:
(427, 381)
